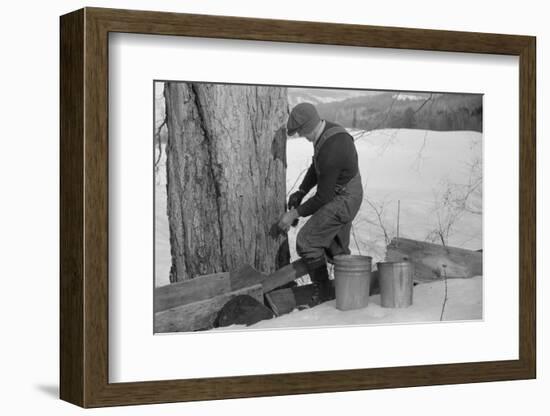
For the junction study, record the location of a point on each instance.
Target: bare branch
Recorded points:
(419, 157)
(388, 113)
(296, 181)
(424, 103)
(379, 215)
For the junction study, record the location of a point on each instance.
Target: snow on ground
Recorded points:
(464, 303)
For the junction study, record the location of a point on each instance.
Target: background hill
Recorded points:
(318, 96)
(373, 110)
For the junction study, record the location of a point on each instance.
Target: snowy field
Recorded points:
(464, 304)
(410, 166)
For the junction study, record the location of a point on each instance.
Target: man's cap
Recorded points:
(303, 117)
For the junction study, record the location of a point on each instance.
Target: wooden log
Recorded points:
(284, 275)
(193, 290)
(199, 315)
(205, 287)
(242, 310)
(428, 259)
(193, 304)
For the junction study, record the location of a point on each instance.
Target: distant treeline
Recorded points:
(441, 112)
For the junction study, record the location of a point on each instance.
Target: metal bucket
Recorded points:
(396, 284)
(352, 276)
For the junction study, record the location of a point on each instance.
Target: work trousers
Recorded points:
(327, 232)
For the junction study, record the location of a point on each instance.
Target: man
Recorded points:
(335, 171)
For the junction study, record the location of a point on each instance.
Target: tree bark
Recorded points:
(226, 177)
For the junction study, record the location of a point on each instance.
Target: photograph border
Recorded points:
(84, 213)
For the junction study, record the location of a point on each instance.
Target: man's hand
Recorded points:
(295, 199)
(287, 219)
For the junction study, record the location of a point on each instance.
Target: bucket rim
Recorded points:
(352, 256)
(392, 263)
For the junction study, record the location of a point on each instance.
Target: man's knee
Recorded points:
(302, 245)
(305, 248)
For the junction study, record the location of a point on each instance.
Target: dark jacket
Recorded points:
(335, 163)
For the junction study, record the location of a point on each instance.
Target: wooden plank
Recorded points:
(245, 276)
(283, 301)
(199, 315)
(429, 258)
(208, 286)
(190, 291)
(284, 275)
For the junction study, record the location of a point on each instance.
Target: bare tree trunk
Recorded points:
(226, 177)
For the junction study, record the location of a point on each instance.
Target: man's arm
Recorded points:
(310, 180)
(325, 191)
